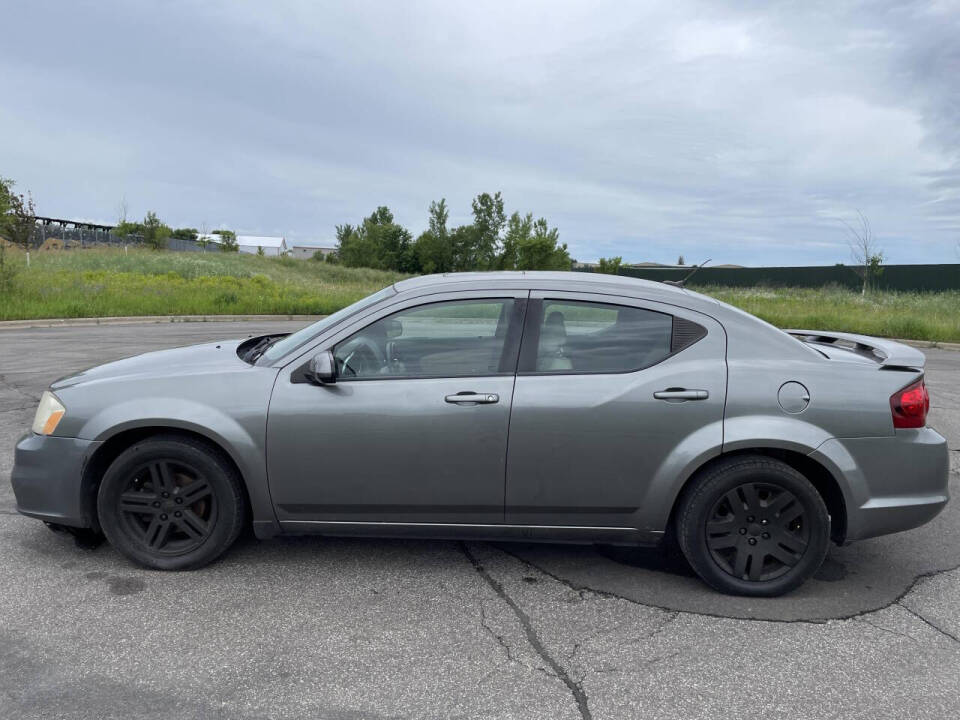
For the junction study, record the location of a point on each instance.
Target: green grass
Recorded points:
(106, 282)
(914, 316)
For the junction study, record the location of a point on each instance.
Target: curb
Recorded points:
(146, 320)
(158, 319)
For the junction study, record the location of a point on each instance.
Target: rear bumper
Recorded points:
(889, 484)
(47, 478)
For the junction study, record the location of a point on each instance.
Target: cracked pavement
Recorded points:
(349, 629)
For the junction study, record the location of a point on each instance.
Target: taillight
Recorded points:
(910, 405)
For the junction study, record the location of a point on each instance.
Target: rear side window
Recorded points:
(587, 337)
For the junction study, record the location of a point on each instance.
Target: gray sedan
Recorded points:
(561, 407)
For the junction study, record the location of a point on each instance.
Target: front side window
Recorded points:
(576, 337)
(445, 339)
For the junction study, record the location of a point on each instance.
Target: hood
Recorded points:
(176, 361)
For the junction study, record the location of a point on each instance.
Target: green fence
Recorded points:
(924, 278)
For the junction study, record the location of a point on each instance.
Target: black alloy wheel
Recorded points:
(171, 502)
(168, 506)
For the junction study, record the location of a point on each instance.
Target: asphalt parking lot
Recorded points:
(349, 629)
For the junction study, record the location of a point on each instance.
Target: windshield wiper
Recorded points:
(260, 347)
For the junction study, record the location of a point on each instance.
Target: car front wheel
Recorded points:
(171, 503)
(752, 525)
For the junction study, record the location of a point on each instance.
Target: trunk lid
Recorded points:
(883, 353)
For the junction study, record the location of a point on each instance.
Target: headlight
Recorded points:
(48, 414)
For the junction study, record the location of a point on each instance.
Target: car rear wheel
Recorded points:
(752, 525)
(171, 503)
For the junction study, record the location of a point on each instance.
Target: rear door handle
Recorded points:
(472, 398)
(681, 395)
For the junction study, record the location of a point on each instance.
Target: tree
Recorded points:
(463, 240)
(433, 250)
(122, 209)
(184, 234)
(433, 253)
(260, 251)
(378, 242)
(155, 233)
(543, 250)
(610, 266)
(228, 240)
(5, 193)
(6, 271)
(680, 261)
(517, 234)
(866, 253)
(126, 230)
(482, 246)
(20, 221)
(490, 242)
(532, 245)
(202, 237)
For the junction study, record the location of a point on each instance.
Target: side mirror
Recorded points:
(323, 368)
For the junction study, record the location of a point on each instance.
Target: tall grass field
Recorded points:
(110, 282)
(908, 315)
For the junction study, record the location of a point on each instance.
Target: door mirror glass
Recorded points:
(323, 369)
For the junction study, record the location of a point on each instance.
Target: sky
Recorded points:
(746, 132)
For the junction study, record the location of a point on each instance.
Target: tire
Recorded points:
(171, 503)
(752, 525)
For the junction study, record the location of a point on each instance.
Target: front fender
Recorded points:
(228, 407)
(243, 443)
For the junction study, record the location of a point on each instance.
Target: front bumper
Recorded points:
(47, 478)
(889, 484)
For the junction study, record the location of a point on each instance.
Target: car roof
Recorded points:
(599, 283)
(539, 279)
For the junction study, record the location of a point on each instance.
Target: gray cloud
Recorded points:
(742, 133)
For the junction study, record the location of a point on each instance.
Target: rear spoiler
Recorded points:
(888, 353)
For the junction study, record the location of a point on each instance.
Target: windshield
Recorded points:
(301, 337)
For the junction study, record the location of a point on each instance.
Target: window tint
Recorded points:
(595, 337)
(448, 339)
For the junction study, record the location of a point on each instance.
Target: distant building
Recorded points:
(305, 252)
(270, 245)
(251, 243)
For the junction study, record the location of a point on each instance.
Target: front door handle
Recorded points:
(681, 395)
(472, 398)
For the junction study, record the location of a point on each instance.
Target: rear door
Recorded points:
(611, 394)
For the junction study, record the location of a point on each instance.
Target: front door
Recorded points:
(612, 396)
(415, 428)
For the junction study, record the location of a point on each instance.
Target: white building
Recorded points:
(251, 243)
(270, 245)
